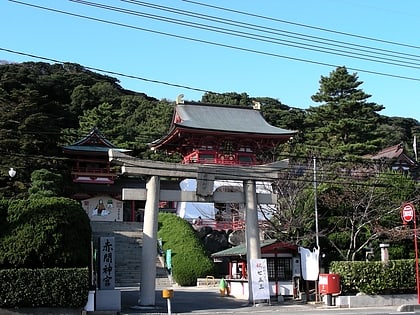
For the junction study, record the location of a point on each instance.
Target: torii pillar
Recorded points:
(253, 246)
(148, 265)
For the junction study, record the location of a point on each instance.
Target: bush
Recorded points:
(45, 232)
(376, 277)
(44, 287)
(4, 205)
(189, 259)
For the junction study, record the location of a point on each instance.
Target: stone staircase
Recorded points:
(128, 251)
(128, 247)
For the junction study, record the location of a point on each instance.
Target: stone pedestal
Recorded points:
(108, 300)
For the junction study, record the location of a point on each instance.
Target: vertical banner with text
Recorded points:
(259, 277)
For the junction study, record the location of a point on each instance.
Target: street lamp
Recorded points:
(12, 172)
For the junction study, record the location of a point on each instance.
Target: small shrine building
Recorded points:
(283, 268)
(95, 181)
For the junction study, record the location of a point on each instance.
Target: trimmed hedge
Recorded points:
(376, 277)
(44, 233)
(189, 258)
(44, 287)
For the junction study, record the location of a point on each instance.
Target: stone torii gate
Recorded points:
(205, 175)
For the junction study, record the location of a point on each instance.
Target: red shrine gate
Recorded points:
(223, 135)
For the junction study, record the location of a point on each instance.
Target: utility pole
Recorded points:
(316, 225)
(316, 205)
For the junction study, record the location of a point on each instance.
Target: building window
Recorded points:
(279, 268)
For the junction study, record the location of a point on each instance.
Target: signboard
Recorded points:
(259, 278)
(103, 208)
(169, 260)
(407, 212)
(106, 263)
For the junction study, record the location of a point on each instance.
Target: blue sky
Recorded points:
(282, 59)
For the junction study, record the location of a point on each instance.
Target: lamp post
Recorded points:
(12, 172)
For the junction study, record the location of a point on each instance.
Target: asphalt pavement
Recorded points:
(208, 300)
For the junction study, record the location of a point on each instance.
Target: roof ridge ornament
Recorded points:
(256, 105)
(180, 99)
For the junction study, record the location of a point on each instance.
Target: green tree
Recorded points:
(345, 123)
(359, 211)
(293, 218)
(103, 117)
(189, 259)
(231, 98)
(45, 184)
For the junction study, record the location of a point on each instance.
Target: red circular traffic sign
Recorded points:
(407, 212)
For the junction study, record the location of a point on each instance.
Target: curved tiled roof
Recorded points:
(95, 141)
(202, 118)
(225, 118)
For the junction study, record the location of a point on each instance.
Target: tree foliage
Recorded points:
(46, 184)
(345, 123)
(44, 107)
(356, 214)
(189, 258)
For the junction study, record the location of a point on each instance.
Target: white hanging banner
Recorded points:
(309, 263)
(259, 277)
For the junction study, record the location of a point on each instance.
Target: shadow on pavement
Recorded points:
(185, 300)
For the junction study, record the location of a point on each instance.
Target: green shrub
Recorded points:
(4, 205)
(44, 287)
(189, 258)
(45, 232)
(376, 277)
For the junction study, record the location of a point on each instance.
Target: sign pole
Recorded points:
(408, 213)
(417, 258)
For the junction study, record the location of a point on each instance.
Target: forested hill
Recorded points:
(44, 107)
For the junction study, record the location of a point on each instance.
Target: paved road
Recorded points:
(206, 301)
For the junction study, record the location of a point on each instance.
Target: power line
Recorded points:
(104, 71)
(267, 39)
(303, 25)
(209, 43)
(270, 30)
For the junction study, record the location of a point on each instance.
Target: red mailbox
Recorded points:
(329, 283)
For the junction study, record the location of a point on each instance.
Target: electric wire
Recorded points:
(327, 178)
(86, 67)
(308, 38)
(215, 43)
(247, 35)
(120, 74)
(303, 25)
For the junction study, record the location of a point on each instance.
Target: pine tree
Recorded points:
(345, 123)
